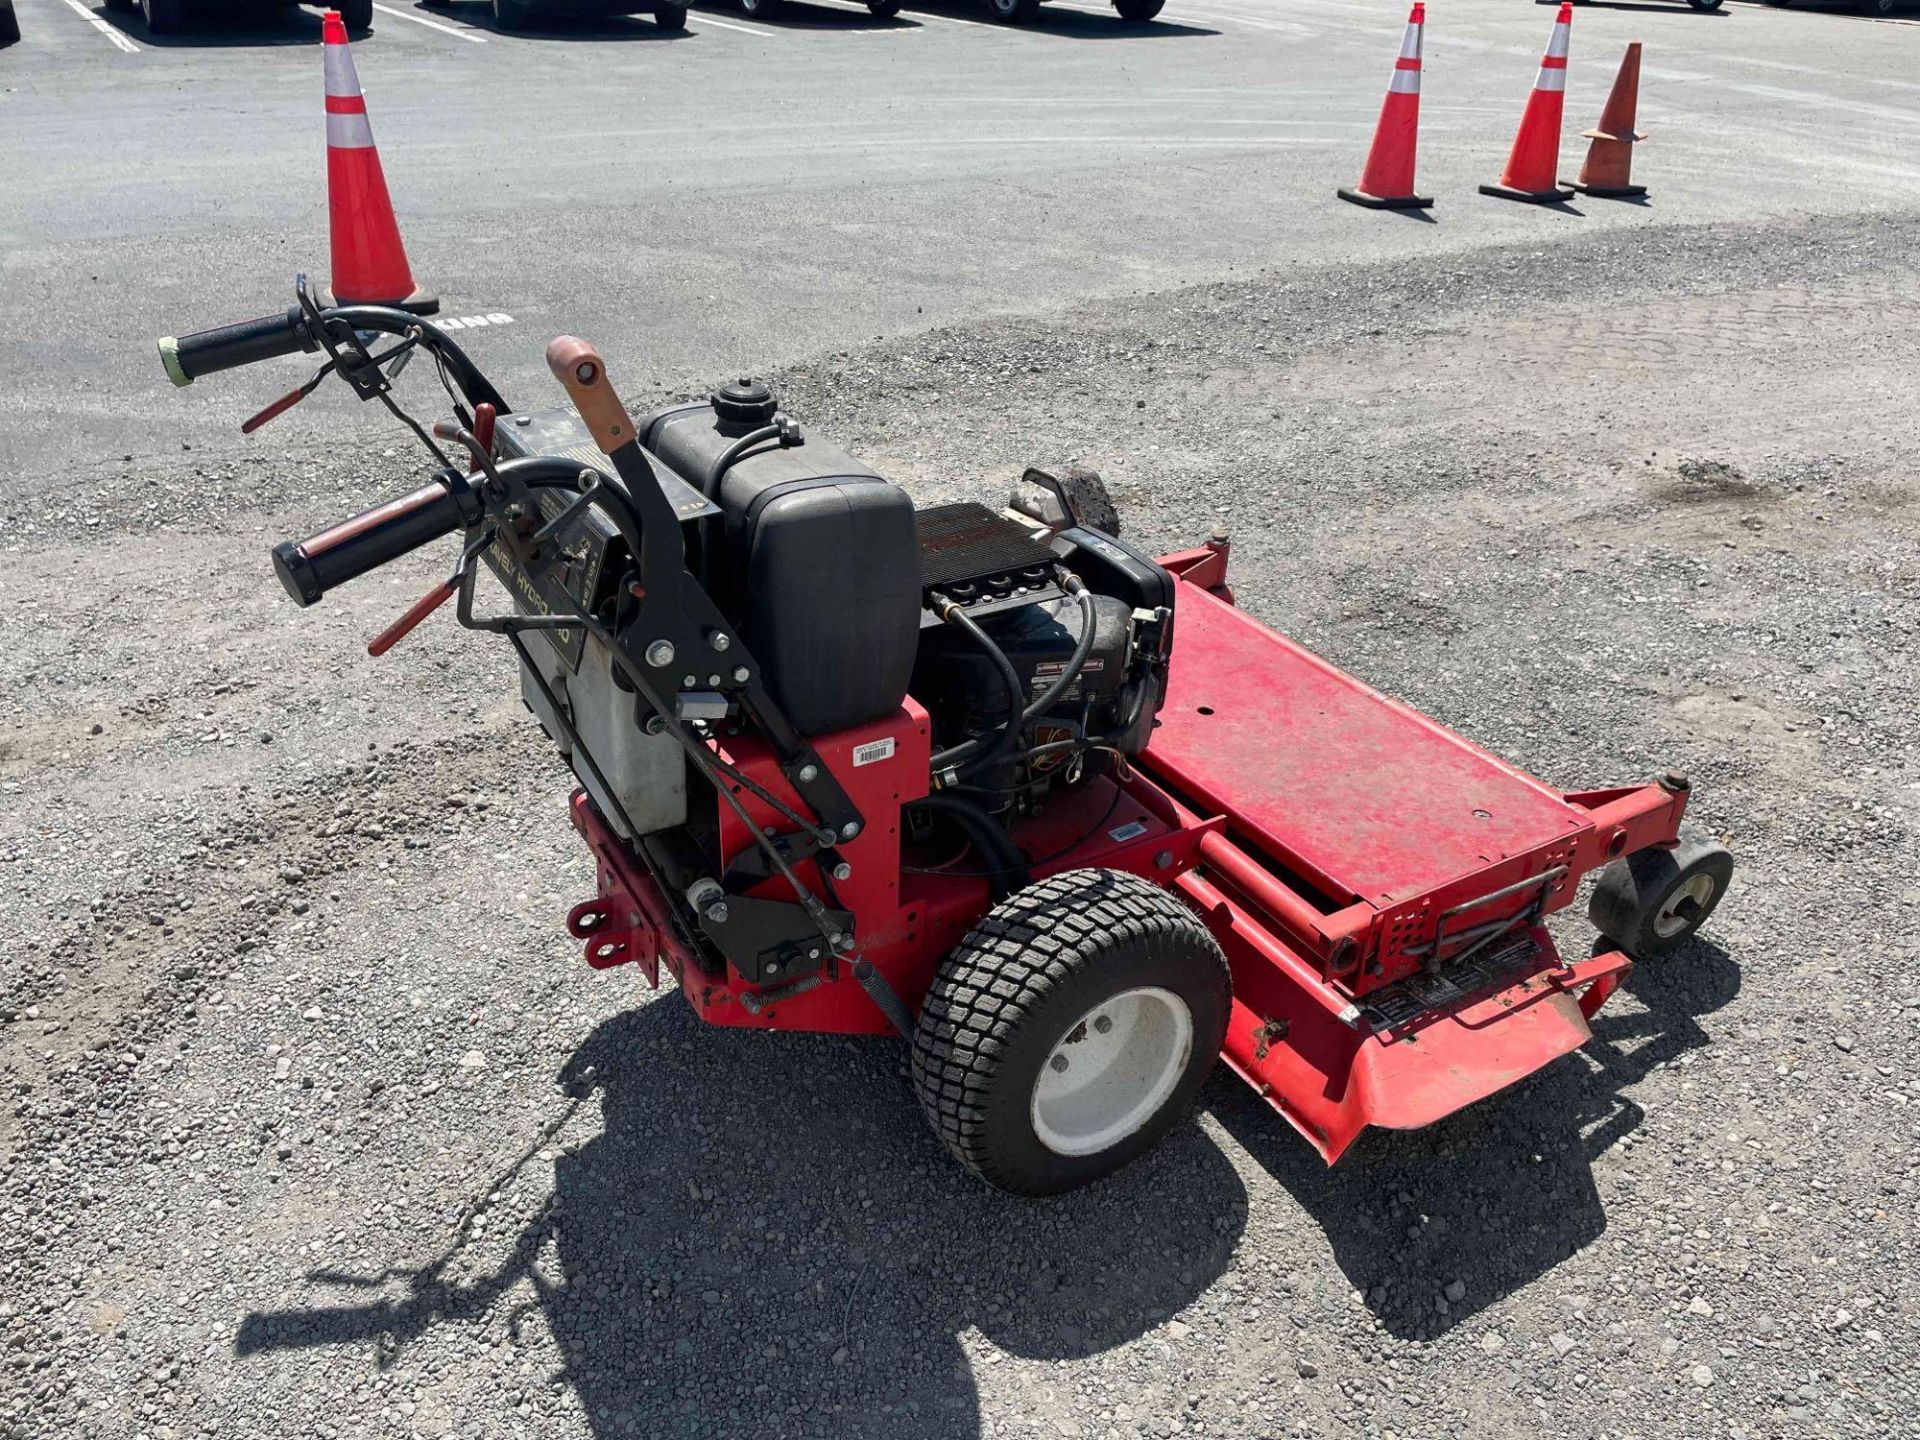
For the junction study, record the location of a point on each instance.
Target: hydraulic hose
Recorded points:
(1008, 735)
(966, 763)
(1009, 871)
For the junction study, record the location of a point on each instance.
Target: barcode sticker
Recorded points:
(1127, 832)
(873, 752)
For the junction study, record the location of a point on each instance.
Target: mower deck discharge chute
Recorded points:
(847, 766)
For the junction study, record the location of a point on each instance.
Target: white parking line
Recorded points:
(431, 24)
(119, 40)
(729, 25)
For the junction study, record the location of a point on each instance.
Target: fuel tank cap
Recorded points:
(744, 404)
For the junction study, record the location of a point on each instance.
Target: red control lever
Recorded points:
(416, 612)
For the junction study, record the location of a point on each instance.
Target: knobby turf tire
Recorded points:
(1030, 968)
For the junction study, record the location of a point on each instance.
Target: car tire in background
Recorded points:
(1013, 12)
(9, 24)
(127, 5)
(1141, 10)
(670, 17)
(760, 9)
(356, 15)
(163, 17)
(1706, 4)
(883, 9)
(1882, 7)
(508, 15)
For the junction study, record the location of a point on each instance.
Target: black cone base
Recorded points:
(1530, 197)
(1385, 202)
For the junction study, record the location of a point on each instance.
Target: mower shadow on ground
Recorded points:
(1495, 1197)
(763, 1237)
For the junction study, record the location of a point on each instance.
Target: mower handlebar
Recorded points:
(188, 357)
(311, 567)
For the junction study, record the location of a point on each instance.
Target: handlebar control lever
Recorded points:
(311, 567)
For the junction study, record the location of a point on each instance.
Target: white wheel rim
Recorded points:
(1112, 1071)
(1672, 920)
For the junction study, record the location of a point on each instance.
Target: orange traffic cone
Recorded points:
(1534, 165)
(369, 263)
(1609, 168)
(1387, 182)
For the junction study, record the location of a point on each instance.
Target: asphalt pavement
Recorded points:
(750, 192)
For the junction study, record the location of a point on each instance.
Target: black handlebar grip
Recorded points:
(188, 357)
(312, 567)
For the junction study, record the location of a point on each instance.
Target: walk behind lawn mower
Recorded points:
(1054, 810)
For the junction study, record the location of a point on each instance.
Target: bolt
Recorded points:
(689, 682)
(742, 674)
(843, 871)
(814, 953)
(1218, 538)
(773, 967)
(1058, 1064)
(809, 773)
(1163, 860)
(840, 940)
(660, 654)
(850, 830)
(719, 639)
(1676, 780)
(713, 682)
(1102, 1024)
(717, 912)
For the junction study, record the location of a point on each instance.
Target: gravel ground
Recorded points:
(317, 1126)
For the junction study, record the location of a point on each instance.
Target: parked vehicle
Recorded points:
(512, 14)
(165, 17)
(9, 23)
(1007, 12)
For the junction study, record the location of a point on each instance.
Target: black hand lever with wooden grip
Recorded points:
(578, 366)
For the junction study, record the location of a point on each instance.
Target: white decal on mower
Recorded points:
(873, 752)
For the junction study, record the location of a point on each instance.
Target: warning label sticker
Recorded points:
(873, 752)
(1131, 831)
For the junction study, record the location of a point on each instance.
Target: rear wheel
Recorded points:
(1013, 12)
(163, 17)
(1649, 903)
(356, 14)
(670, 17)
(1070, 1030)
(1146, 9)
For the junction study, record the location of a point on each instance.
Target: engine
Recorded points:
(1039, 650)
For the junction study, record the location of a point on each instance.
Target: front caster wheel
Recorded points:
(1070, 1030)
(1648, 903)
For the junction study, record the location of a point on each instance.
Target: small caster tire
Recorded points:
(1649, 903)
(1070, 1030)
